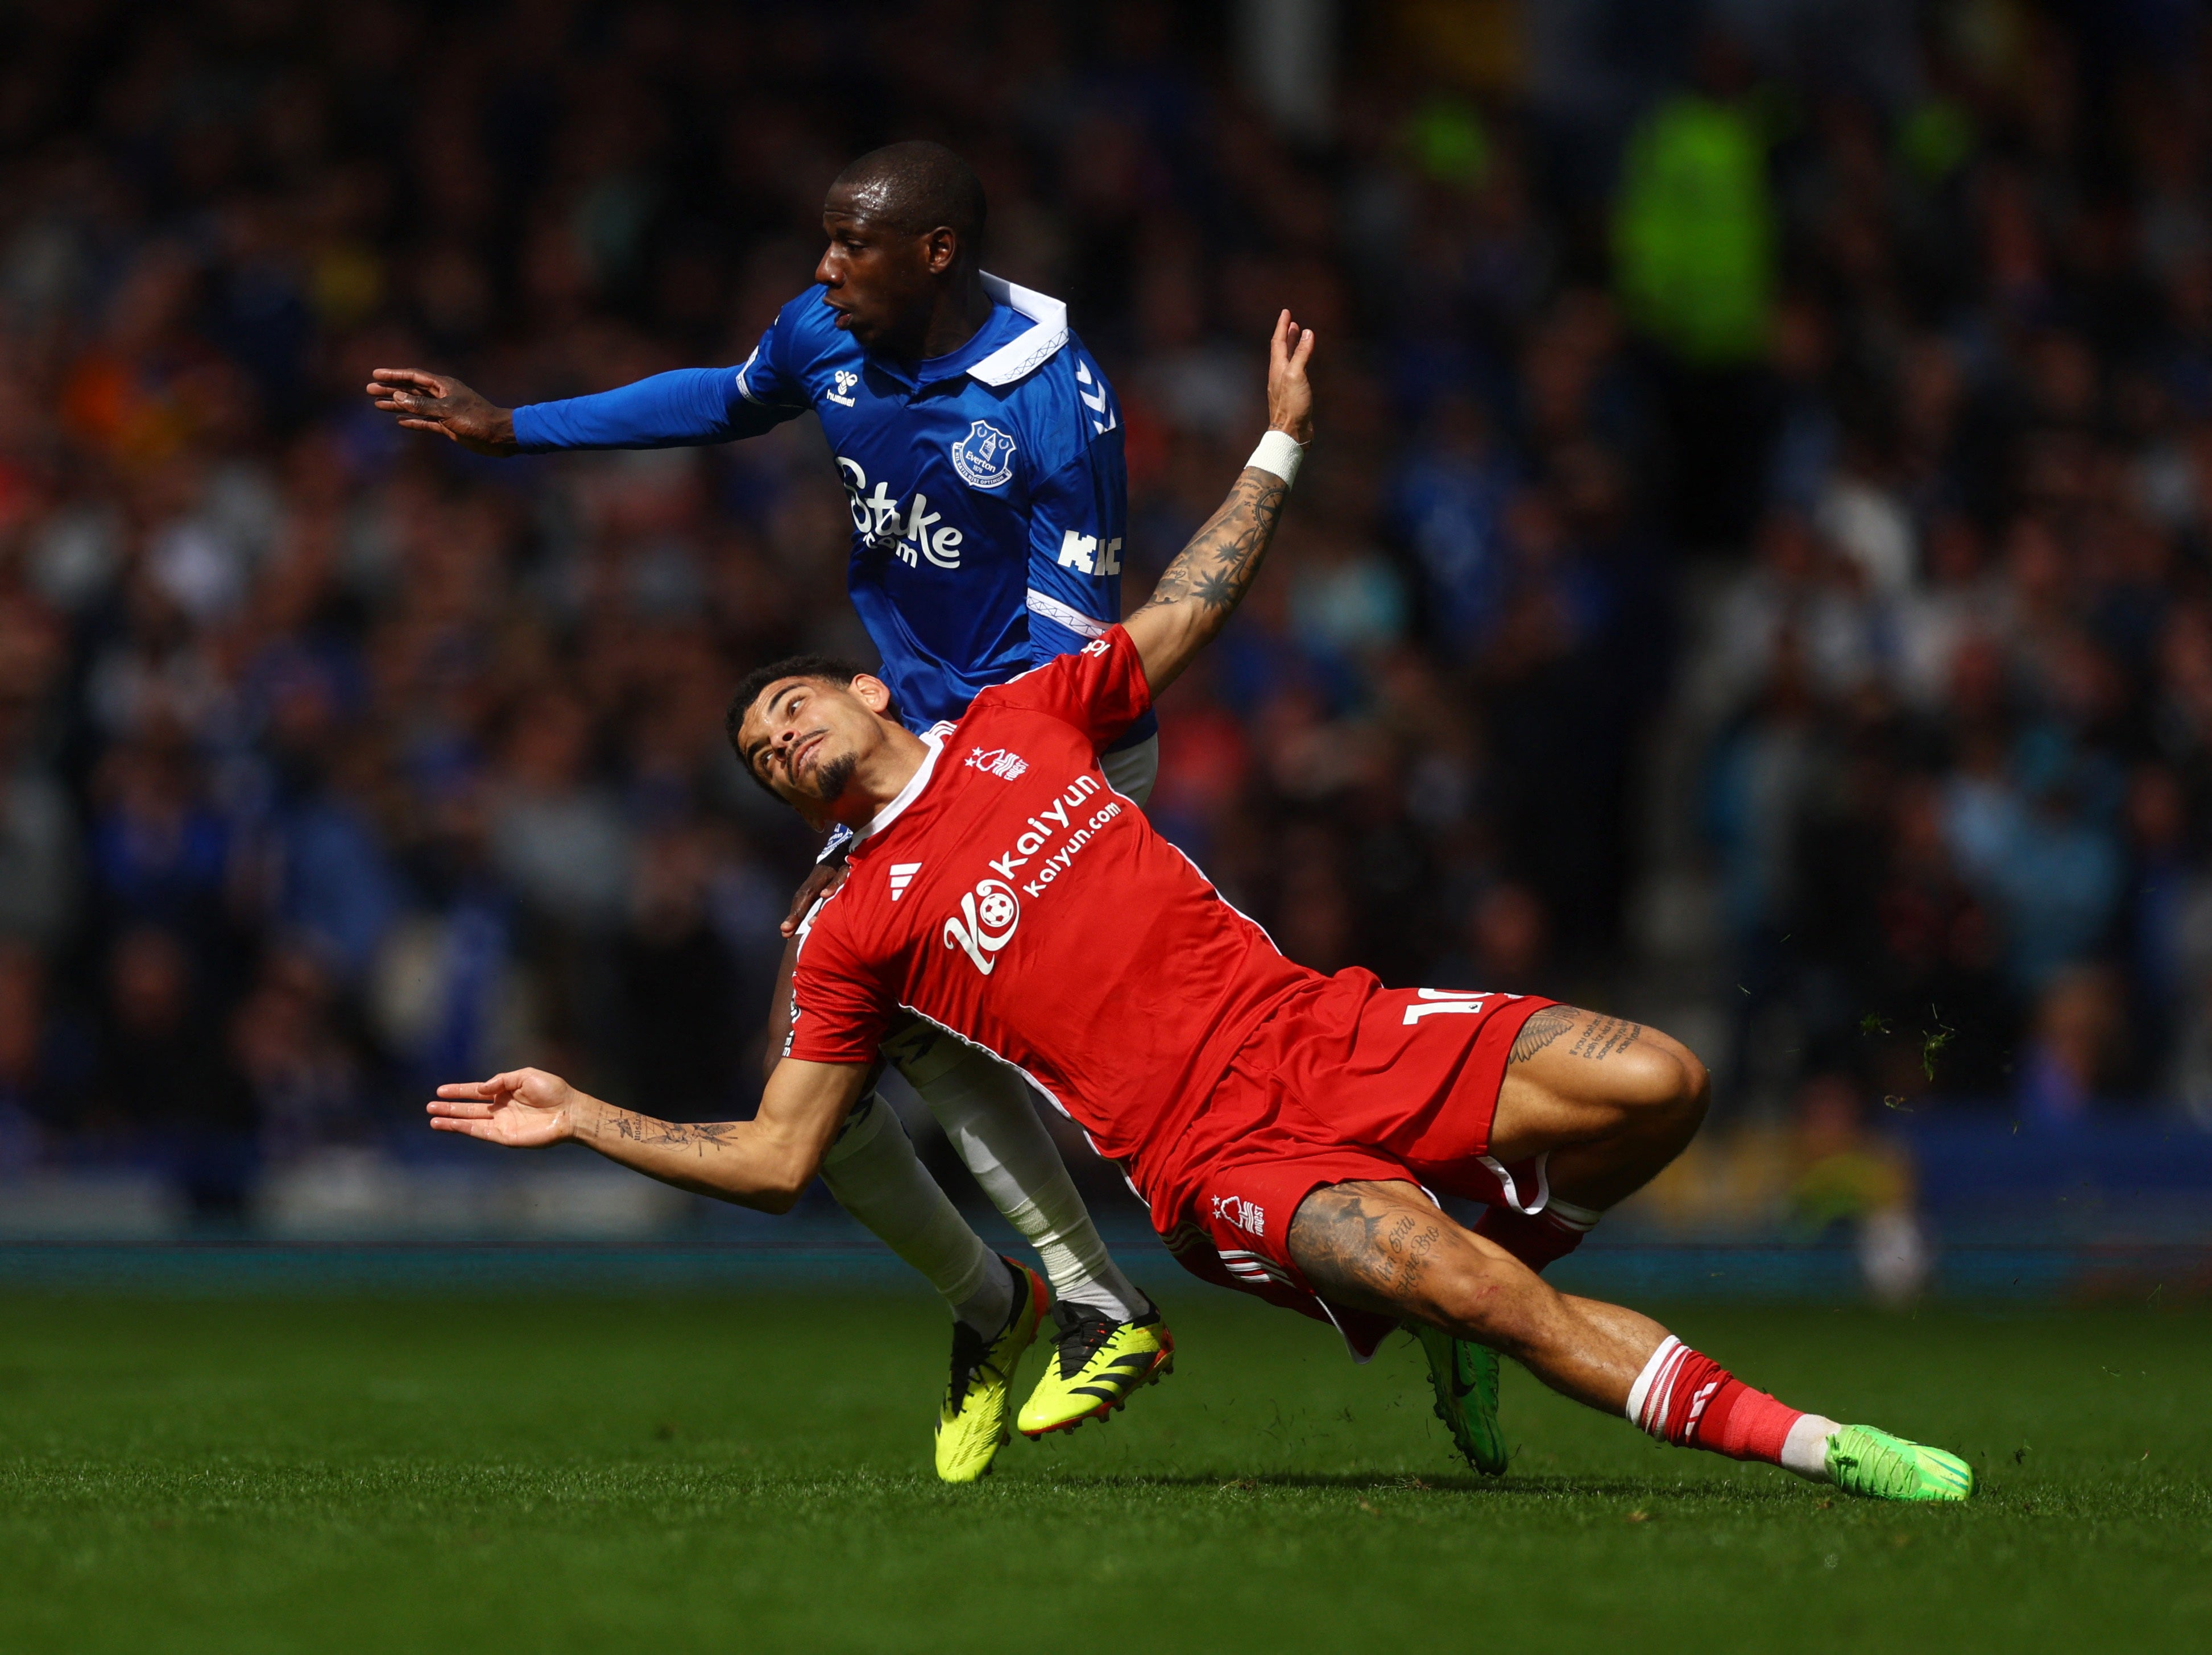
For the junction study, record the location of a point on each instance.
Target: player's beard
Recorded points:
(830, 778)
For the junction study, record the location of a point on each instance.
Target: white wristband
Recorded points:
(1278, 451)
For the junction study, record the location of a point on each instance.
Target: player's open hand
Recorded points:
(1290, 397)
(523, 1109)
(440, 403)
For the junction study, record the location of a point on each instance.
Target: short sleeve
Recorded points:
(838, 1006)
(1078, 517)
(1100, 690)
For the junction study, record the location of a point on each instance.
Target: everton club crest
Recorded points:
(985, 457)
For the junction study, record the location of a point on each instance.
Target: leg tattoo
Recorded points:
(1365, 1250)
(1604, 1036)
(1600, 1037)
(1540, 1031)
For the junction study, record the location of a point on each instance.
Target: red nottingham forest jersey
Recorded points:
(1011, 895)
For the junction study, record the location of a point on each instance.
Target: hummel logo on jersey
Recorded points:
(1095, 400)
(997, 761)
(1082, 552)
(843, 395)
(1098, 647)
(985, 923)
(902, 876)
(985, 457)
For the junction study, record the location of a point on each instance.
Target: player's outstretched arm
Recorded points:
(680, 409)
(1209, 577)
(766, 1162)
(440, 403)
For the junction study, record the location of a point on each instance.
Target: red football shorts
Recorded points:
(1347, 1080)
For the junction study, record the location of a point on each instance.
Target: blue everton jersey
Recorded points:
(987, 488)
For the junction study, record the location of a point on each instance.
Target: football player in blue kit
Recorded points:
(981, 451)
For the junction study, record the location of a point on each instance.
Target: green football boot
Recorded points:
(1464, 1375)
(1875, 1465)
(972, 1422)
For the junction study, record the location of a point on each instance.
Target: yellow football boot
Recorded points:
(971, 1424)
(1098, 1364)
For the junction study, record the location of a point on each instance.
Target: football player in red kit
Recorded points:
(1286, 1129)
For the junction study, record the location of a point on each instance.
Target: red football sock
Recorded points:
(1536, 1239)
(1693, 1402)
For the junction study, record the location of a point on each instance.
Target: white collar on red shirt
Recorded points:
(932, 739)
(1030, 349)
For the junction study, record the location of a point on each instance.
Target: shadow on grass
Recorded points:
(1515, 1488)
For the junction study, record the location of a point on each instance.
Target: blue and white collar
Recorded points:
(1034, 348)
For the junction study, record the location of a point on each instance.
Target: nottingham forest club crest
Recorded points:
(985, 457)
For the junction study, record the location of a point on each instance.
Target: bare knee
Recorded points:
(1663, 1086)
(1693, 1090)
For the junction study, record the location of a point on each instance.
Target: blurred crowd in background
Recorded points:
(1758, 525)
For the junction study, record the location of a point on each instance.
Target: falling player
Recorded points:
(981, 451)
(1284, 1127)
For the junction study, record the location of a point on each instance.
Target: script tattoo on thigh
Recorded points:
(1604, 1036)
(1540, 1031)
(1363, 1252)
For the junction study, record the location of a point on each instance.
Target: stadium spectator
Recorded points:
(1860, 388)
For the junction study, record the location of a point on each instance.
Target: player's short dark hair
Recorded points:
(919, 185)
(823, 669)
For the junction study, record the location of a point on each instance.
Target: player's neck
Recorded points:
(878, 778)
(959, 309)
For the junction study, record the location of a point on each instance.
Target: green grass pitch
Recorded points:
(753, 1473)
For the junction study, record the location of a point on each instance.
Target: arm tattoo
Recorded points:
(1604, 1036)
(676, 1135)
(1540, 1031)
(1362, 1251)
(1222, 558)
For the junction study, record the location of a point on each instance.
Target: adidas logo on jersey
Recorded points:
(997, 761)
(902, 876)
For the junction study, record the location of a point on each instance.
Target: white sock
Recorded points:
(1804, 1450)
(985, 1108)
(991, 1307)
(877, 1177)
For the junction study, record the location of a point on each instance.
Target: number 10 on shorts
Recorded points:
(1443, 1001)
